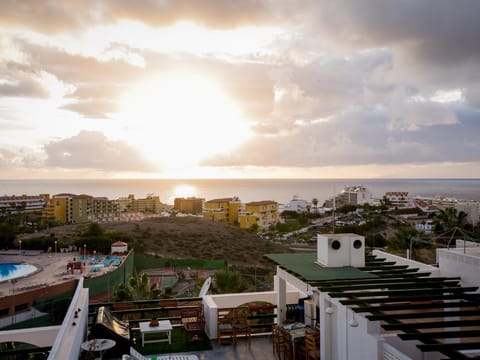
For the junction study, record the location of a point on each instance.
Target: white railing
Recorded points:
(391, 353)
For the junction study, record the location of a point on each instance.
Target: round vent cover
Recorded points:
(336, 245)
(357, 244)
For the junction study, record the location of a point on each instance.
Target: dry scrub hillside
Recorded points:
(188, 237)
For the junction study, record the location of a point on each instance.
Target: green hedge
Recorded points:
(143, 262)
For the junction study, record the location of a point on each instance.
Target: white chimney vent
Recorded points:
(336, 250)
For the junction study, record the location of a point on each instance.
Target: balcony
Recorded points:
(261, 316)
(65, 340)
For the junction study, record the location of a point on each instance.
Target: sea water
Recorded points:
(280, 190)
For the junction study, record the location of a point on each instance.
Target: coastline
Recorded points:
(279, 190)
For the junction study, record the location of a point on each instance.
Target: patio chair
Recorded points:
(241, 325)
(193, 323)
(225, 325)
(312, 345)
(284, 344)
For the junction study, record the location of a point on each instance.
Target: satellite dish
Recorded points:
(205, 287)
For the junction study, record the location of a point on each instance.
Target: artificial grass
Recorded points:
(179, 343)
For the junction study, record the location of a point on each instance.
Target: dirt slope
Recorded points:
(187, 237)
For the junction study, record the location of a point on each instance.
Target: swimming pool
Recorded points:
(9, 271)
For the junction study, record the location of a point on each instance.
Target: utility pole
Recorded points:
(334, 205)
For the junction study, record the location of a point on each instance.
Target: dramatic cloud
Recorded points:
(48, 17)
(359, 138)
(318, 83)
(92, 150)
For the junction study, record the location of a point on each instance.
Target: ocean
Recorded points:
(280, 190)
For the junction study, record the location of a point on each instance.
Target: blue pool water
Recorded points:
(10, 271)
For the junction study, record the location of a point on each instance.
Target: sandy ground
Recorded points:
(52, 269)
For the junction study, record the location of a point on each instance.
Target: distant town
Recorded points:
(44, 210)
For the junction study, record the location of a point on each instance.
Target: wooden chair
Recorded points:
(284, 345)
(225, 325)
(275, 339)
(168, 308)
(299, 348)
(241, 325)
(193, 323)
(312, 345)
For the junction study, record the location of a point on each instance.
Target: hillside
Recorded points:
(185, 237)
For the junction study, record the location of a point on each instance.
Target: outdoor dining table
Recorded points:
(164, 326)
(98, 345)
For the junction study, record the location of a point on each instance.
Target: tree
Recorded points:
(449, 218)
(375, 240)
(94, 229)
(385, 203)
(137, 287)
(228, 281)
(7, 234)
(315, 204)
(404, 236)
(345, 209)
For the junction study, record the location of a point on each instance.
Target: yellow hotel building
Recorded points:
(225, 209)
(263, 214)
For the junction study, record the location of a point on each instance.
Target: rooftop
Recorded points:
(304, 266)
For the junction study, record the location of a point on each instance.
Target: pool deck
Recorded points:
(52, 270)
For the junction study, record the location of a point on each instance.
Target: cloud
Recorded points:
(75, 68)
(93, 150)
(93, 108)
(359, 139)
(45, 16)
(25, 88)
(7, 159)
(345, 82)
(20, 81)
(437, 30)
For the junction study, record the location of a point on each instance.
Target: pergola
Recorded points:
(438, 312)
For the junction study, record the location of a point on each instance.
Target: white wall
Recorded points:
(340, 341)
(454, 262)
(214, 302)
(411, 263)
(42, 336)
(407, 350)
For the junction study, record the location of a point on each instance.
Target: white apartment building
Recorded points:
(298, 205)
(399, 199)
(24, 203)
(352, 195)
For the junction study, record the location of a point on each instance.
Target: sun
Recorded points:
(178, 119)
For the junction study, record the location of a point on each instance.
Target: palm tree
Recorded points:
(137, 287)
(315, 204)
(449, 218)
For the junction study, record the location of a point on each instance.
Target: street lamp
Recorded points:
(20, 251)
(55, 247)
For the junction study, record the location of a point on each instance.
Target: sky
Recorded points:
(239, 89)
